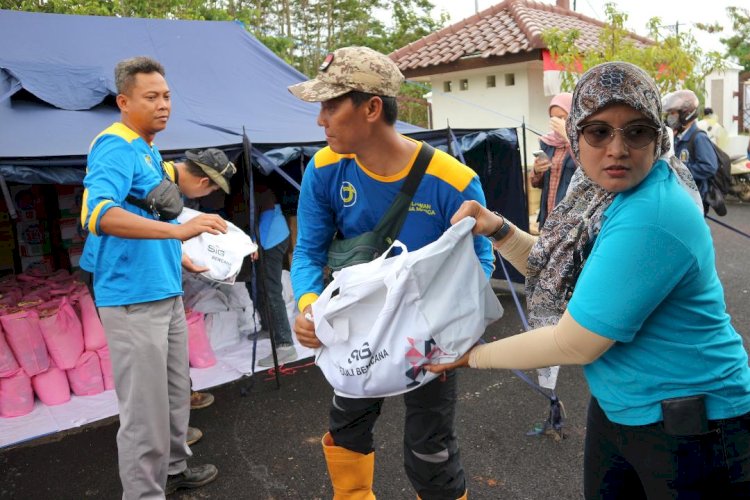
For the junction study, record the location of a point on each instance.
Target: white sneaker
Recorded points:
(284, 353)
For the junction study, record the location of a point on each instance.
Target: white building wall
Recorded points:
(720, 89)
(502, 106)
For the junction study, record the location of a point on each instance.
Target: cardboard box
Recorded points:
(40, 262)
(70, 199)
(29, 202)
(74, 254)
(71, 232)
(33, 238)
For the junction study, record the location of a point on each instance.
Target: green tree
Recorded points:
(738, 45)
(674, 61)
(412, 107)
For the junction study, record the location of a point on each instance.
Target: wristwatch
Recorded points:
(502, 232)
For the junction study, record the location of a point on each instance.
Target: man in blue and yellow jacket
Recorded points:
(137, 282)
(347, 187)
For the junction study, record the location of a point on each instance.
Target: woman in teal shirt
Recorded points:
(669, 377)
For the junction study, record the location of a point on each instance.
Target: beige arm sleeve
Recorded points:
(566, 343)
(515, 248)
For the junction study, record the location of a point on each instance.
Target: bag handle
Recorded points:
(395, 244)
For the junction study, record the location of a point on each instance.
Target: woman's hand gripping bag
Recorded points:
(221, 253)
(381, 322)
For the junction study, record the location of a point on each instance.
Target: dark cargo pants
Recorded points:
(431, 455)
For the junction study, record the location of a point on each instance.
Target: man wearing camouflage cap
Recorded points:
(346, 188)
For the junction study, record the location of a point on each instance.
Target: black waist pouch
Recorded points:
(685, 416)
(164, 201)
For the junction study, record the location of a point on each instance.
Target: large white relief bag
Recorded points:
(222, 253)
(381, 322)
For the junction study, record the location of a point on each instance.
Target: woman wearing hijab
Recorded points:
(554, 170)
(669, 414)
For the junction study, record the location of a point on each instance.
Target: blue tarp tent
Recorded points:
(57, 85)
(57, 93)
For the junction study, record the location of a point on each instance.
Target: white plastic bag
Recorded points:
(222, 253)
(382, 321)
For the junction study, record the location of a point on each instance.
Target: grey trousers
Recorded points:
(148, 346)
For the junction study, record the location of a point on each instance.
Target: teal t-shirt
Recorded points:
(650, 284)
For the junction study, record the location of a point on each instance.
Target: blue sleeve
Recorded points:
(705, 163)
(315, 230)
(482, 244)
(630, 271)
(108, 179)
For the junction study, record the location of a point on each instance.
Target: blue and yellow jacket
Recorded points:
(339, 194)
(126, 271)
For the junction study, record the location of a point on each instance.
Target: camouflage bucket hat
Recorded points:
(351, 68)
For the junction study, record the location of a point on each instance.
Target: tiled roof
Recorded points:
(510, 27)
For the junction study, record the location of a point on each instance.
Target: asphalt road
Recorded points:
(266, 444)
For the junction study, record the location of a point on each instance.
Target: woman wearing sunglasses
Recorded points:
(668, 373)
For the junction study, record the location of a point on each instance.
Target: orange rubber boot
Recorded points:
(351, 473)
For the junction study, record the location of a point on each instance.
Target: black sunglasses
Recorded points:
(635, 135)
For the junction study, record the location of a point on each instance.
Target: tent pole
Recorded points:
(258, 270)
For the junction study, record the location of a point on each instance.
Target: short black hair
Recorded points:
(126, 70)
(194, 169)
(390, 104)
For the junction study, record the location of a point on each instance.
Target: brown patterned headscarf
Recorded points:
(558, 256)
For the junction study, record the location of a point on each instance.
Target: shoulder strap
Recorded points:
(392, 221)
(145, 204)
(418, 169)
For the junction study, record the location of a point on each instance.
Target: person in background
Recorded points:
(274, 238)
(200, 174)
(347, 187)
(669, 415)
(681, 108)
(716, 132)
(136, 265)
(554, 169)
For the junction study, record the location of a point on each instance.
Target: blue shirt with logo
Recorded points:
(126, 271)
(339, 194)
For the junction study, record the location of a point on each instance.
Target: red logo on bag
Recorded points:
(419, 358)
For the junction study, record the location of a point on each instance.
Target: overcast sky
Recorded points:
(686, 12)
